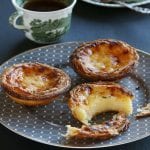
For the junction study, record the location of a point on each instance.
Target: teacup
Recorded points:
(42, 27)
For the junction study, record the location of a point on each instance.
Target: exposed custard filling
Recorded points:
(102, 99)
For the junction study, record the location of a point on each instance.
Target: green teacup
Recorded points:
(40, 26)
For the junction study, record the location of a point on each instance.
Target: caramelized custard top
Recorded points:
(85, 92)
(33, 77)
(106, 57)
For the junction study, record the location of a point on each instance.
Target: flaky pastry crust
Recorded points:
(143, 112)
(106, 130)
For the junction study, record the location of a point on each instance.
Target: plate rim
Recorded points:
(115, 5)
(60, 145)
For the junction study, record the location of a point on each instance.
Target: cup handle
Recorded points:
(13, 20)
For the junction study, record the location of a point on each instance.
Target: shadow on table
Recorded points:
(86, 11)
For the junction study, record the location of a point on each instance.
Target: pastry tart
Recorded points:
(34, 84)
(104, 59)
(89, 99)
(106, 130)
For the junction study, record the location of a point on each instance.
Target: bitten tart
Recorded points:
(89, 99)
(34, 84)
(104, 59)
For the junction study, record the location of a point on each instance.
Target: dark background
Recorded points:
(89, 22)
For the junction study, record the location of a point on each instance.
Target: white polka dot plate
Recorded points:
(46, 124)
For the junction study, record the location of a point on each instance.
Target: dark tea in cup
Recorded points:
(44, 5)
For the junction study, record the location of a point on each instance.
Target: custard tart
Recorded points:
(89, 99)
(104, 59)
(106, 130)
(34, 84)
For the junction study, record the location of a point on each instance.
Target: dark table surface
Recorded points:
(88, 23)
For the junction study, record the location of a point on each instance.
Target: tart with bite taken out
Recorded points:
(104, 59)
(89, 99)
(34, 84)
